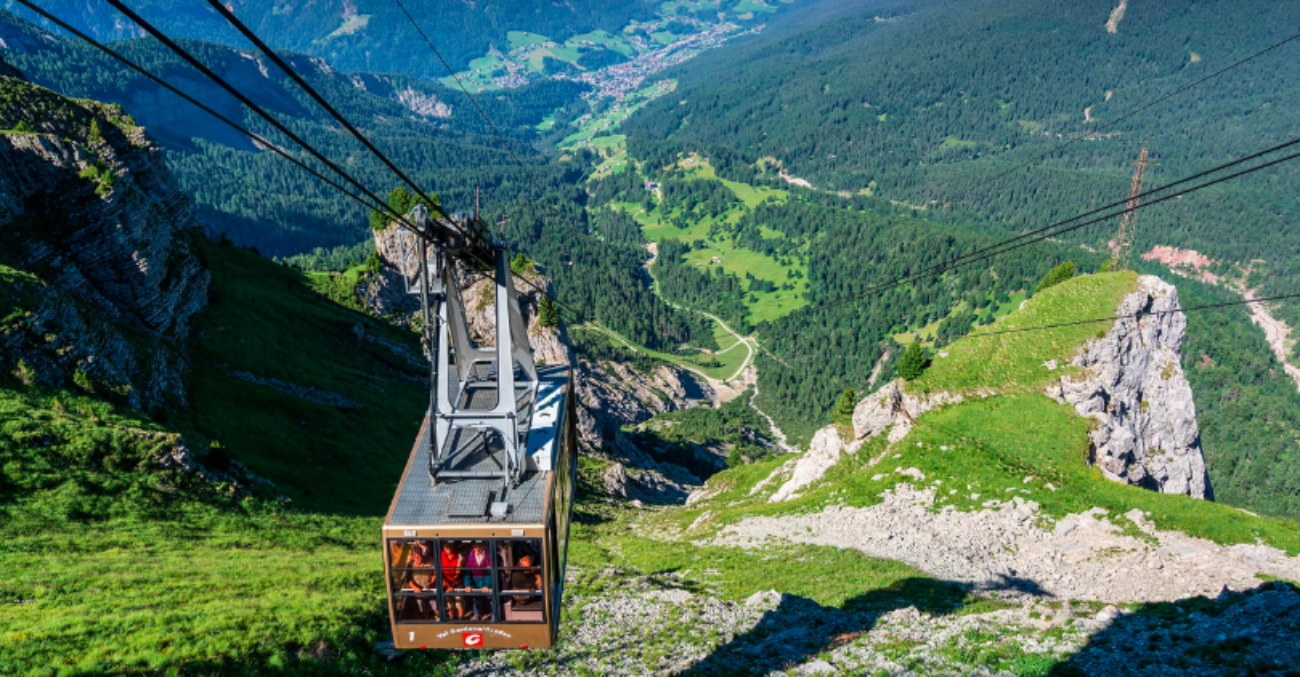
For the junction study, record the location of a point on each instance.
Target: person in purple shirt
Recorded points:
(478, 578)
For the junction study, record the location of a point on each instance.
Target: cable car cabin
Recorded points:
(459, 577)
(475, 540)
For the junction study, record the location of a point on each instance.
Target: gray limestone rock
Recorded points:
(118, 283)
(1133, 385)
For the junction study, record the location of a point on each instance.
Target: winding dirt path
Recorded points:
(719, 386)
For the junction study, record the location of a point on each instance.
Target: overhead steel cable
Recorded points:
(257, 138)
(1150, 104)
(453, 75)
(1153, 191)
(262, 46)
(1042, 234)
(311, 91)
(378, 204)
(949, 263)
(189, 58)
(1134, 316)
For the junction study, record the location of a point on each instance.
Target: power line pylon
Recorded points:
(1127, 223)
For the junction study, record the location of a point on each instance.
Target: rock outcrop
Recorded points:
(90, 215)
(894, 409)
(1133, 385)
(823, 453)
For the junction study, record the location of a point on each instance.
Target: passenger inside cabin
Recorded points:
(422, 558)
(421, 555)
(478, 578)
(425, 608)
(479, 571)
(453, 578)
(526, 580)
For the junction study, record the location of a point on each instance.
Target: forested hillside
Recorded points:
(919, 104)
(923, 101)
(257, 199)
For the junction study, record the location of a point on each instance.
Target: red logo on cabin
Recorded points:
(473, 639)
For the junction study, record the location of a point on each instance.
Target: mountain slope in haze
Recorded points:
(367, 35)
(257, 197)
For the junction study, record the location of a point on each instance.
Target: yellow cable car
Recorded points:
(475, 540)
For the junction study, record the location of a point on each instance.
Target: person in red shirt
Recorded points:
(452, 578)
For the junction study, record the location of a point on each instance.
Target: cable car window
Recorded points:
(415, 597)
(467, 580)
(519, 570)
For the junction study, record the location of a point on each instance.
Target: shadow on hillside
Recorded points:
(1256, 632)
(799, 629)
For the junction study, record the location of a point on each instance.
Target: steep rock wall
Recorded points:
(98, 238)
(1133, 385)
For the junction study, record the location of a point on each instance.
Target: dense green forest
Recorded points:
(924, 101)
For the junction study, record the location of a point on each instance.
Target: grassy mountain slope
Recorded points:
(693, 598)
(993, 444)
(114, 564)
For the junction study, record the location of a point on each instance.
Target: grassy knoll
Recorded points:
(615, 162)
(656, 226)
(1015, 361)
(520, 39)
(751, 6)
(1017, 443)
(114, 565)
(983, 450)
(604, 39)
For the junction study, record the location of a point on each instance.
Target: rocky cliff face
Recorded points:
(99, 281)
(1130, 381)
(1133, 385)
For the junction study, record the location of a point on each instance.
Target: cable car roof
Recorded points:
(465, 501)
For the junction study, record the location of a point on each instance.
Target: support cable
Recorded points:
(1150, 104)
(189, 58)
(261, 141)
(991, 251)
(945, 265)
(311, 91)
(509, 147)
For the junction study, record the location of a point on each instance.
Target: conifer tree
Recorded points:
(913, 362)
(548, 315)
(844, 405)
